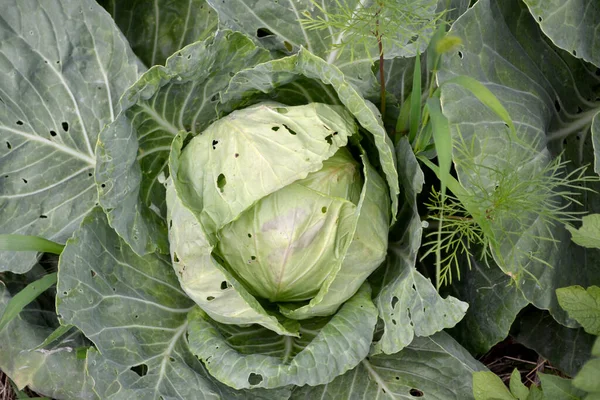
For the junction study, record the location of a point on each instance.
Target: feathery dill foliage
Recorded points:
(503, 202)
(370, 24)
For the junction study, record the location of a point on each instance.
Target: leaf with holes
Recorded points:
(59, 85)
(133, 310)
(435, 367)
(254, 357)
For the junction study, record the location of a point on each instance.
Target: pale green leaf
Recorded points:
(587, 378)
(558, 388)
(58, 333)
(59, 84)
(365, 253)
(517, 388)
(583, 305)
(588, 235)
(488, 386)
(157, 29)
(204, 280)
(271, 77)
(260, 361)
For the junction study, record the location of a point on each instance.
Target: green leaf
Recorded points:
(582, 305)
(157, 30)
(133, 151)
(483, 94)
(270, 362)
(135, 312)
(589, 233)
(500, 37)
(29, 243)
(55, 371)
(408, 303)
(435, 367)
(570, 24)
(24, 297)
(517, 388)
(59, 332)
(60, 85)
(587, 378)
(488, 386)
(565, 348)
(535, 393)
(557, 388)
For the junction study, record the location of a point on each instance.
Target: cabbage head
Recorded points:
(278, 203)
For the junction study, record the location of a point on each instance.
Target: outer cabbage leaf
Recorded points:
(132, 308)
(55, 371)
(280, 20)
(157, 30)
(550, 102)
(264, 80)
(435, 367)
(571, 24)
(253, 358)
(60, 82)
(408, 303)
(133, 151)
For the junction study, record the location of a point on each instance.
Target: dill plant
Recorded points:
(501, 202)
(366, 25)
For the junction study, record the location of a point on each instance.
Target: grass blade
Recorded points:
(415, 100)
(443, 147)
(484, 95)
(29, 243)
(57, 334)
(26, 296)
